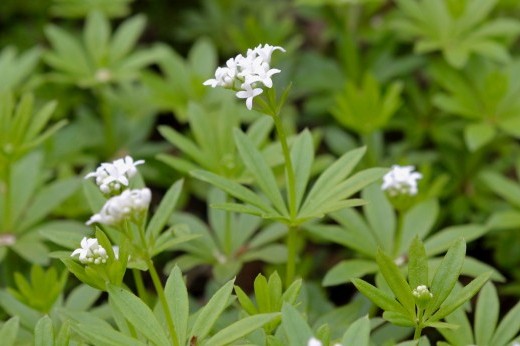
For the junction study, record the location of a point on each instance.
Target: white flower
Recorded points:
(249, 93)
(266, 51)
(314, 342)
(128, 204)
(90, 252)
(111, 177)
(252, 72)
(401, 180)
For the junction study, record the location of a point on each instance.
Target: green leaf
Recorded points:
(347, 270)
(296, 328)
(461, 297)
(379, 297)
(164, 211)
(380, 215)
(478, 135)
(417, 265)
(138, 314)
(418, 221)
(257, 166)
(96, 35)
(245, 301)
(358, 333)
(43, 332)
(240, 328)
(443, 239)
(396, 281)
(446, 276)
(502, 186)
(334, 175)
(508, 327)
(208, 314)
(398, 319)
(9, 331)
(234, 189)
(486, 314)
(125, 37)
(178, 302)
(302, 155)
(48, 199)
(27, 316)
(442, 325)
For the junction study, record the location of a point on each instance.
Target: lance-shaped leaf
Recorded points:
(260, 170)
(397, 282)
(138, 314)
(446, 276)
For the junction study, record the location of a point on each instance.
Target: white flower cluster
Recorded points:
(123, 206)
(422, 291)
(401, 180)
(112, 177)
(90, 252)
(245, 73)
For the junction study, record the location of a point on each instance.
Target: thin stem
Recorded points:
(292, 238)
(398, 233)
(158, 288)
(419, 327)
(139, 284)
(108, 123)
(291, 181)
(228, 242)
(7, 197)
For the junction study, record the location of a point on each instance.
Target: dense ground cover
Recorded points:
(307, 172)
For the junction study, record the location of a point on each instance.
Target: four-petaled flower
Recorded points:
(247, 74)
(401, 180)
(249, 93)
(90, 252)
(111, 177)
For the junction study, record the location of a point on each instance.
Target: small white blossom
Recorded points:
(124, 206)
(421, 291)
(249, 93)
(111, 177)
(314, 342)
(90, 252)
(401, 180)
(247, 74)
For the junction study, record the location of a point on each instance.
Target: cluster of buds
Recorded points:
(91, 252)
(422, 296)
(401, 180)
(247, 75)
(316, 342)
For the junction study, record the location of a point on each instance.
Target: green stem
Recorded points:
(108, 123)
(7, 197)
(158, 288)
(419, 326)
(398, 233)
(291, 181)
(228, 243)
(292, 238)
(139, 284)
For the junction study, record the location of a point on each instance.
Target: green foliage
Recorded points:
(230, 241)
(100, 57)
(329, 193)
(410, 307)
(457, 29)
(485, 330)
(41, 290)
(366, 109)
